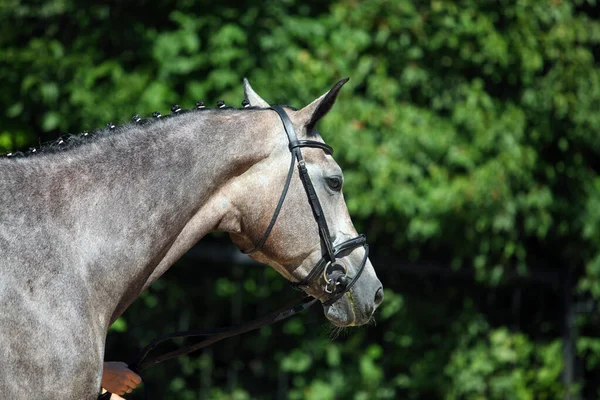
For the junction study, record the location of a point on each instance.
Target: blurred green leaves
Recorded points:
(505, 365)
(469, 136)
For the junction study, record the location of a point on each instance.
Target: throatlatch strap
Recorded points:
(286, 186)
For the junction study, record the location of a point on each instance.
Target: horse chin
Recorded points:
(341, 313)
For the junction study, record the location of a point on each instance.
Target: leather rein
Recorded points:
(334, 272)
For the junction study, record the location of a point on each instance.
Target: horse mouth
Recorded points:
(342, 312)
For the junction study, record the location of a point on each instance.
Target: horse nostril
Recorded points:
(379, 296)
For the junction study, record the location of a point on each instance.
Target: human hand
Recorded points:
(118, 379)
(113, 396)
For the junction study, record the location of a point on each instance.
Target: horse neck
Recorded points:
(124, 201)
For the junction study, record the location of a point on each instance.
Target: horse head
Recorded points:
(306, 234)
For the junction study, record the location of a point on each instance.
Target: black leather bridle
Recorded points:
(336, 281)
(334, 272)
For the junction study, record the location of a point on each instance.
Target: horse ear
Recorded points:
(312, 113)
(252, 97)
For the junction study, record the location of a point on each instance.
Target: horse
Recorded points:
(89, 222)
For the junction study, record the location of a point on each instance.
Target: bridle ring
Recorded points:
(328, 281)
(333, 264)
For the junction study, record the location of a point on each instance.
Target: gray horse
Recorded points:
(85, 229)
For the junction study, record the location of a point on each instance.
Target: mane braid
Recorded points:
(69, 141)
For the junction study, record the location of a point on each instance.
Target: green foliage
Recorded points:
(469, 135)
(502, 365)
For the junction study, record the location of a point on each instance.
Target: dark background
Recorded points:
(469, 135)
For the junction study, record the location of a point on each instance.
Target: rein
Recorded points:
(215, 335)
(334, 272)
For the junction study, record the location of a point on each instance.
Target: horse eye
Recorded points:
(334, 183)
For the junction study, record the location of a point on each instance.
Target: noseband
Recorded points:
(331, 267)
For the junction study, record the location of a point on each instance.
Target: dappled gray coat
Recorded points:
(86, 227)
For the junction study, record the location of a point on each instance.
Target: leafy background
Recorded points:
(469, 134)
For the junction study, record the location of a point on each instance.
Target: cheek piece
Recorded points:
(331, 268)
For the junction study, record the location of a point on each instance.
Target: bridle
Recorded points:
(330, 267)
(334, 272)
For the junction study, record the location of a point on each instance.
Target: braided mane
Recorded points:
(69, 141)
